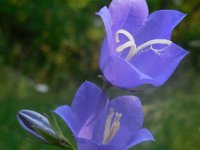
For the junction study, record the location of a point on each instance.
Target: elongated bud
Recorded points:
(37, 125)
(52, 130)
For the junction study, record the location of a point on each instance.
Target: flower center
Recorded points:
(111, 128)
(131, 43)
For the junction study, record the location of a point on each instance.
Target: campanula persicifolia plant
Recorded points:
(137, 50)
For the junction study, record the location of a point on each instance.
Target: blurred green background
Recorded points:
(49, 47)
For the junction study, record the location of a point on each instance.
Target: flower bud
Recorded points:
(37, 125)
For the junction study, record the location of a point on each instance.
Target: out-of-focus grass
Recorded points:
(18, 92)
(171, 111)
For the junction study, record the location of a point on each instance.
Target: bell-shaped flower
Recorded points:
(137, 49)
(100, 124)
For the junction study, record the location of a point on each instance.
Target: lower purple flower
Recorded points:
(100, 124)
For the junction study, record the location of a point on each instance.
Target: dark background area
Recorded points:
(49, 47)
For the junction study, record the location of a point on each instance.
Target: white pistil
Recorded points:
(152, 42)
(131, 43)
(111, 130)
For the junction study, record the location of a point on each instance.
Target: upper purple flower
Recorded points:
(102, 125)
(137, 49)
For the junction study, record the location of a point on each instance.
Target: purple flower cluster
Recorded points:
(137, 50)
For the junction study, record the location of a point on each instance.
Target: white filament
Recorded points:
(152, 42)
(131, 43)
(111, 130)
(108, 122)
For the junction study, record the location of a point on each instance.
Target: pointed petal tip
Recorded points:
(171, 11)
(177, 15)
(88, 83)
(22, 111)
(180, 13)
(140, 136)
(105, 8)
(23, 114)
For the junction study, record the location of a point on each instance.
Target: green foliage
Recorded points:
(41, 38)
(172, 114)
(18, 92)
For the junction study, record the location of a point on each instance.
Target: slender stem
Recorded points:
(106, 85)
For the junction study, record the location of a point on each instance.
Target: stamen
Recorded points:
(108, 122)
(152, 42)
(115, 127)
(110, 131)
(131, 43)
(124, 46)
(124, 32)
(131, 53)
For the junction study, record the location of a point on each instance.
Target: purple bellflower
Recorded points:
(137, 49)
(100, 124)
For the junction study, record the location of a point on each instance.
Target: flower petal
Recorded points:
(104, 13)
(159, 25)
(140, 136)
(124, 75)
(89, 102)
(132, 118)
(69, 117)
(159, 64)
(108, 43)
(84, 144)
(128, 14)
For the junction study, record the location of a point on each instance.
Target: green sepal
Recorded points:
(46, 136)
(63, 132)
